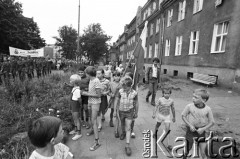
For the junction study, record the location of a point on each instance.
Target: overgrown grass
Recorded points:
(21, 103)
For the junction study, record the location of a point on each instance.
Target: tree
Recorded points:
(67, 40)
(17, 30)
(93, 42)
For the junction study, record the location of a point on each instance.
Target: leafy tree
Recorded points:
(93, 42)
(67, 40)
(17, 30)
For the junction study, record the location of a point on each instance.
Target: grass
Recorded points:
(19, 103)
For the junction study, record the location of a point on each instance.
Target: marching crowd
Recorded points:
(23, 68)
(94, 93)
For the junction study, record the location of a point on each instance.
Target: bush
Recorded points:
(22, 102)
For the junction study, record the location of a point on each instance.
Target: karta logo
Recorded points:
(227, 148)
(16, 51)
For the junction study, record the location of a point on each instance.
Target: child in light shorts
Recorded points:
(162, 112)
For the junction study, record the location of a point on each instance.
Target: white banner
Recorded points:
(19, 52)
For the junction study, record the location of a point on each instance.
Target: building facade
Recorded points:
(193, 36)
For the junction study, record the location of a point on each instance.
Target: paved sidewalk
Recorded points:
(112, 148)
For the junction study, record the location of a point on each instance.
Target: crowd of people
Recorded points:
(23, 68)
(94, 92)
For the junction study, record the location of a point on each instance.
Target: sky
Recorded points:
(113, 15)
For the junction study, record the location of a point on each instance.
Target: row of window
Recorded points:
(218, 41)
(129, 54)
(151, 9)
(197, 6)
(156, 51)
(131, 40)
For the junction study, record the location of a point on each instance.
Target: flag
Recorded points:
(139, 55)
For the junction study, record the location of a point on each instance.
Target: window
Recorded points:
(160, 2)
(219, 37)
(156, 50)
(194, 40)
(145, 52)
(178, 48)
(154, 6)
(151, 31)
(158, 25)
(169, 19)
(167, 48)
(164, 71)
(150, 51)
(181, 11)
(197, 6)
(149, 11)
(175, 73)
(189, 75)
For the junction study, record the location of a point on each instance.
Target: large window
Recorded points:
(156, 50)
(197, 6)
(150, 51)
(181, 10)
(178, 48)
(219, 37)
(194, 40)
(151, 31)
(158, 25)
(169, 18)
(167, 47)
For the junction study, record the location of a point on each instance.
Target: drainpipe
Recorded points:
(162, 42)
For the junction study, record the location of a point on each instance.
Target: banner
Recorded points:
(19, 52)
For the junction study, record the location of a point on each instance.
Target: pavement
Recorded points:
(225, 106)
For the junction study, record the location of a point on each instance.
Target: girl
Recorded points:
(113, 89)
(94, 100)
(75, 104)
(104, 91)
(162, 112)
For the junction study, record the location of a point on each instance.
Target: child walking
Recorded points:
(198, 118)
(46, 134)
(104, 101)
(128, 109)
(114, 85)
(94, 100)
(75, 103)
(162, 112)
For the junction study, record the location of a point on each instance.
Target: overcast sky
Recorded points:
(52, 14)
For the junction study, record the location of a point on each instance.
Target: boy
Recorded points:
(198, 118)
(46, 133)
(128, 109)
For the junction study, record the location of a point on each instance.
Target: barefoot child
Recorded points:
(46, 134)
(94, 100)
(75, 103)
(104, 101)
(128, 109)
(162, 112)
(114, 85)
(198, 118)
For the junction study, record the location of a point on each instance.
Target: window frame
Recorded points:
(178, 48)
(169, 17)
(181, 10)
(158, 25)
(167, 47)
(150, 51)
(221, 35)
(200, 7)
(156, 48)
(151, 29)
(196, 41)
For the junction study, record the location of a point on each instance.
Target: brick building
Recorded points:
(194, 36)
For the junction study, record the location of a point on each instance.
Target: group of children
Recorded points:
(91, 89)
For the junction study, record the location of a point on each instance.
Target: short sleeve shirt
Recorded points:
(61, 152)
(164, 106)
(198, 117)
(93, 85)
(105, 85)
(127, 100)
(76, 93)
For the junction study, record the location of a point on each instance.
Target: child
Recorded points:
(46, 134)
(128, 109)
(113, 87)
(104, 101)
(84, 87)
(198, 118)
(75, 103)
(94, 100)
(162, 112)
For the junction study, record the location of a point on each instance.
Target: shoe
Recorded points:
(87, 126)
(128, 151)
(95, 146)
(153, 104)
(90, 133)
(77, 136)
(103, 118)
(147, 99)
(133, 135)
(99, 129)
(122, 137)
(72, 132)
(116, 135)
(111, 123)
